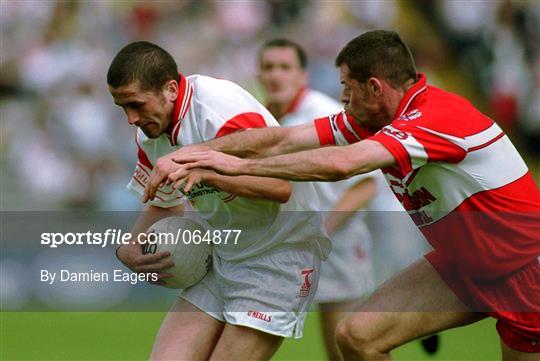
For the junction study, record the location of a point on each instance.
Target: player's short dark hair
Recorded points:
(286, 43)
(378, 53)
(144, 62)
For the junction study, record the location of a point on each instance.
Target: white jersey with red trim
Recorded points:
(208, 108)
(458, 176)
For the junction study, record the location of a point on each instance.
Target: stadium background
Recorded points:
(65, 147)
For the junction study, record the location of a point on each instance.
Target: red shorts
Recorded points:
(513, 300)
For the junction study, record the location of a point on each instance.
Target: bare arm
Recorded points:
(264, 142)
(277, 190)
(325, 164)
(249, 143)
(356, 197)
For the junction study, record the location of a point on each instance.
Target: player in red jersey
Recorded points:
(453, 169)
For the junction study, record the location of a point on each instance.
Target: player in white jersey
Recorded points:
(347, 275)
(258, 288)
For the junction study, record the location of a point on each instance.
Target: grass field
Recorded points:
(129, 336)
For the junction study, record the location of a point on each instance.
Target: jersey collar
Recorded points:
(417, 88)
(295, 103)
(181, 106)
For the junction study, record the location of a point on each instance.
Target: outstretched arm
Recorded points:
(325, 164)
(356, 197)
(276, 190)
(248, 143)
(265, 142)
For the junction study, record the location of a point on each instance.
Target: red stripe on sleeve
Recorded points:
(349, 136)
(324, 131)
(397, 149)
(241, 122)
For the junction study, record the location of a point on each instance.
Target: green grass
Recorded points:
(129, 336)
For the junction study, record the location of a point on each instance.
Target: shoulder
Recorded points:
(445, 112)
(207, 89)
(224, 99)
(320, 104)
(314, 105)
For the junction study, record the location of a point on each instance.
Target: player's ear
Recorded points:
(171, 90)
(374, 86)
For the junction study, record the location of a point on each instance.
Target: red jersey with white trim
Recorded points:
(208, 108)
(458, 176)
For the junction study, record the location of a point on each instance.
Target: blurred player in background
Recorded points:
(455, 171)
(259, 289)
(347, 275)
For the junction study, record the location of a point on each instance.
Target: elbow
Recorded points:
(283, 193)
(342, 170)
(346, 169)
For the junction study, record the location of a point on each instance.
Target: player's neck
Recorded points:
(393, 99)
(278, 110)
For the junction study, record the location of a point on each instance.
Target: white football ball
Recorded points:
(190, 251)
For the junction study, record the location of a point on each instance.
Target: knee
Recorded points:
(354, 339)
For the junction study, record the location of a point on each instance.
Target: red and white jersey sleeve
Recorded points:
(414, 145)
(340, 129)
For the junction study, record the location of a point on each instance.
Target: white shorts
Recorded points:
(347, 274)
(270, 292)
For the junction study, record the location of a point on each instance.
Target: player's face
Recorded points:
(149, 110)
(358, 100)
(281, 74)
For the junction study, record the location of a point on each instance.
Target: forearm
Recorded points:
(151, 214)
(302, 166)
(325, 164)
(265, 142)
(276, 190)
(356, 197)
(131, 254)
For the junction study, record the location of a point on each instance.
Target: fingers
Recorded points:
(161, 279)
(177, 175)
(156, 179)
(189, 184)
(186, 183)
(152, 263)
(152, 258)
(154, 267)
(191, 157)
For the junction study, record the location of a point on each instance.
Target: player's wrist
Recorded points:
(208, 176)
(247, 165)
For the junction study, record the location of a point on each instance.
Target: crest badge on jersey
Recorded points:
(413, 114)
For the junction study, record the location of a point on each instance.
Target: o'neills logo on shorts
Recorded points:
(306, 284)
(260, 316)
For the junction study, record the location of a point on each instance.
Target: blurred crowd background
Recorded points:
(64, 145)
